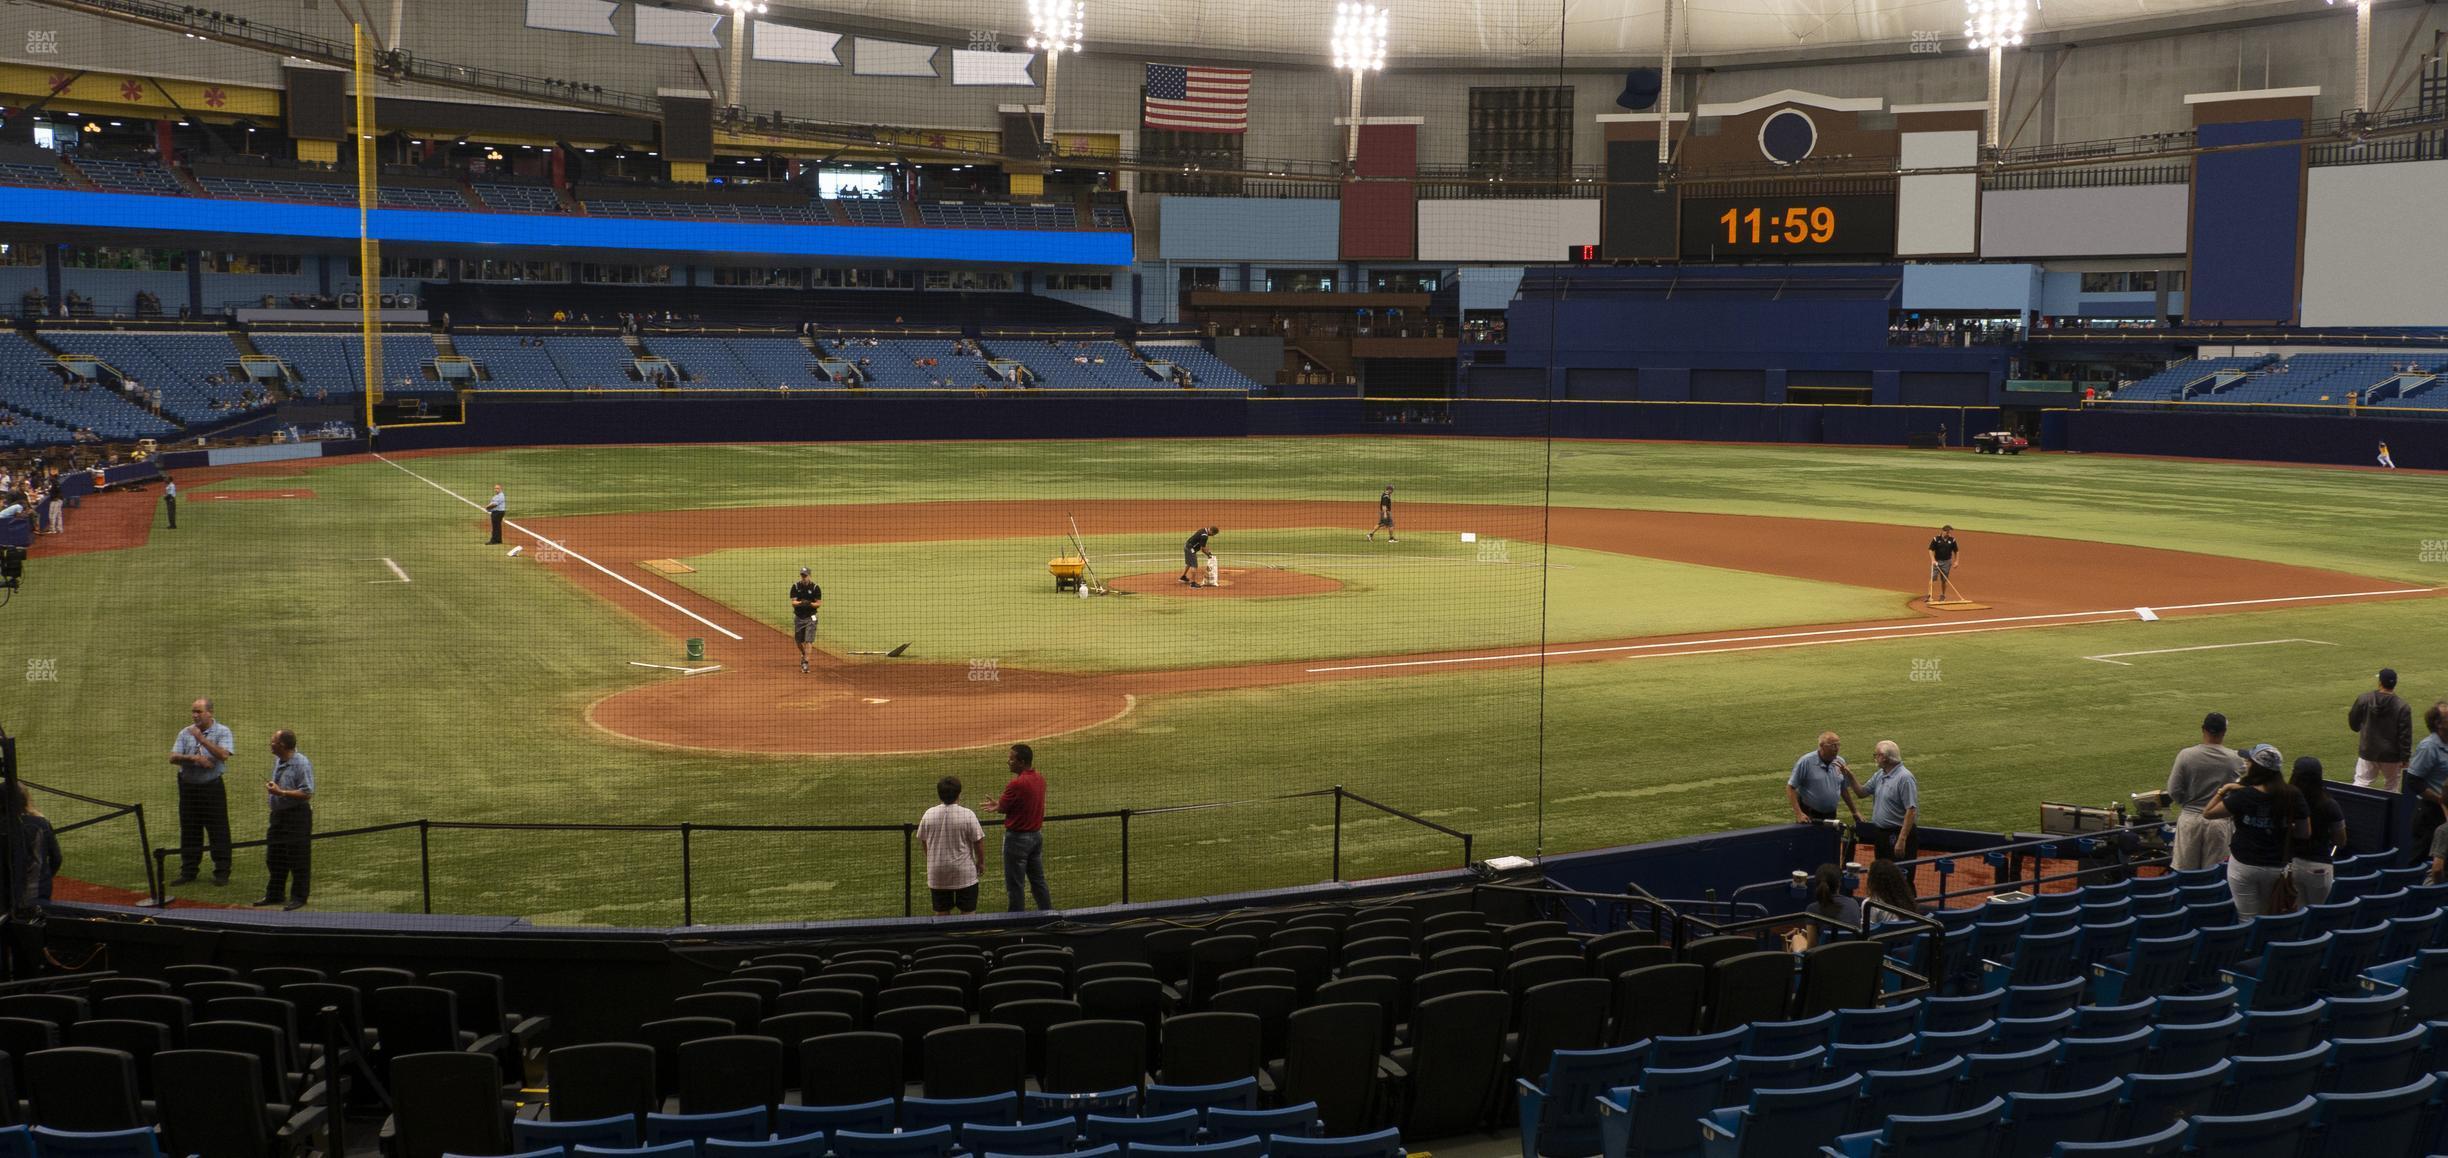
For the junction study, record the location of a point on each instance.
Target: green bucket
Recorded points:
(696, 650)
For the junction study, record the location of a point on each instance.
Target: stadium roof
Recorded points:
(1516, 32)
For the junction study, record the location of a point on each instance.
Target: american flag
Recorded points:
(1197, 99)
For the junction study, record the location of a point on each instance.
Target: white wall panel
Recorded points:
(2373, 252)
(2134, 220)
(1505, 230)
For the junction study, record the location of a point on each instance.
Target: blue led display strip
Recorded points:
(74, 209)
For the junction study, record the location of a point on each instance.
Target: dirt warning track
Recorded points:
(761, 703)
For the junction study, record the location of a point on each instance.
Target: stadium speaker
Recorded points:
(1640, 90)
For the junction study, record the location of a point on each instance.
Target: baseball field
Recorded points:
(1571, 645)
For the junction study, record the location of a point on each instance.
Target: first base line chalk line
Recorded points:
(1869, 634)
(622, 579)
(2118, 657)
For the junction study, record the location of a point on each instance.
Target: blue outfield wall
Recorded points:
(537, 419)
(201, 215)
(2324, 439)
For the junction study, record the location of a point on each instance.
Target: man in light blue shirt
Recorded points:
(498, 507)
(199, 752)
(289, 835)
(1821, 780)
(1895, 804)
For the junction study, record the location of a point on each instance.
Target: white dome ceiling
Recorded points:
(1511, 32)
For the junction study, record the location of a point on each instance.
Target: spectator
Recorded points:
(1022, 807)
(1895, 804)
(2268, 818)
(200, 751)
(1821, 780)
(1829, 900)
(2313, 866)
(1886, 884)
(2199, 772)
(2384, 728)
(38, 852)
(289, 833)
(2426, 776)
(955, 847)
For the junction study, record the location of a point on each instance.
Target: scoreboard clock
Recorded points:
(1789, 226)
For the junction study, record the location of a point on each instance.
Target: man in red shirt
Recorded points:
(1022, 807)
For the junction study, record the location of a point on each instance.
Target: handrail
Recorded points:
(688, 831)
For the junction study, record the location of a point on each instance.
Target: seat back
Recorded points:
(1331, 1059)
(2155, 1101)
(732, 1072)
(2271, 1134)
(1924, 1091)
(1092, 1056)
(1457, 1058)
(2280, 1080)
(1795, 1120)
(2035, 1123)
(82, 1088)
(211, 1102)
(1748, 987)
(1207, 1048)
(849, 1069)
(2388, 1121)
(602, 1080)
(1839, 975)
(448, 1103)
(1958, 1135)
(1561, 1115)
(2362, 1065)
(975, 1061)
(1666, 1108)
(1661, 1000)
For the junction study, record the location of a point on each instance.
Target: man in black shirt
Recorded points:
(1385, 516)
(1190, 554)
(805, 598)
(1942, 552)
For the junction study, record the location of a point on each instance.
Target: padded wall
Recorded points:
(2247, 224)
(2374, 254)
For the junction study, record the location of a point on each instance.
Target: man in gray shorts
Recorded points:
(1190, 554)
(1942, 552)
(805, 598)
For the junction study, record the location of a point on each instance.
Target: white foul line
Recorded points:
(2116, 657)
(395, 569)
(1860, 634)
(622, 579)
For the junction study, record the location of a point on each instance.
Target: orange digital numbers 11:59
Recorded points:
(1796, 225)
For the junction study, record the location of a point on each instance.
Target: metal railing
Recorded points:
(2008, 861)
(690, 834)
(2089, 178)
(116, 810)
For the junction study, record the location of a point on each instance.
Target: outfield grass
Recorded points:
(991, 597)
(458, 696)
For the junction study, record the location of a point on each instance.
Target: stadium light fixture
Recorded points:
(1057, 25)
(2362, 53)
(1359, 45)
(1995, 25)
(740, 11)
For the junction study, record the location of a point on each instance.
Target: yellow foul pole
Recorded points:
(369, 251)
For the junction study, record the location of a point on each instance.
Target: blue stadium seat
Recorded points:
(2221, 946)
(1781, 1121)
(1238, 1148)
(2364, 1124)
(618, 1132)
(1037, 1106)
(744, 1125)
(2188, 1009)
(2167, 1143)
(1943, 1014)
(1885, 1023)
(2030, 1001)
(1959, 1135)
(2037, 959)
(2272, 1134)
(2083, 1059)
(2277, 1031)
(932, 1142)
(2104, 1020)
(876, 1117)
(1225, 1124)
(2351, 951)
(1386, 1143)
(801, 1146)
(1675, 1053)
(1180, 1128)
(136, 1143)
(1037, 1138)
(1995, 1075)
(2283, 977)
(1660, 1116)
(994, 1109)
(16, 1142)
(2019, 1033)
(2271, 928)
(2375, 1015)
(2155, 966)
(1924, 1092)
(1849, 1058)
(2035, 1122)
(1239, 1094)
(2360, 1065)
(2184, 1047)
(1772, 1038)
(2280, 1080)
(1938, 1045)
(1560, 1116)
(2152, 1101)
(679, 1149)
(2412, 934)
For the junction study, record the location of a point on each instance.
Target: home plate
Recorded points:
(873, 700)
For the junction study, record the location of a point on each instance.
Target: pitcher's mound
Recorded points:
(1238, 584)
